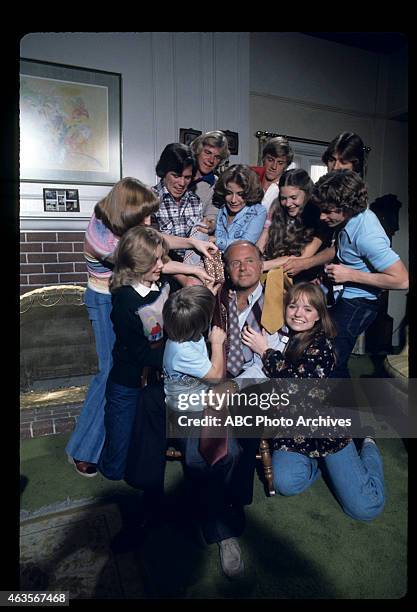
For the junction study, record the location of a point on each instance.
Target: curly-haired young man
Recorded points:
(367, 263)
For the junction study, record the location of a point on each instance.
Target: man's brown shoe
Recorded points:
(84, 468)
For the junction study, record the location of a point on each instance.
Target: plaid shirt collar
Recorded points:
(177, 217)
(188, 199)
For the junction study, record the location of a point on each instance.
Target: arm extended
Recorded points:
(393, 277)
(295, 265)
(177, 242)
(291, 261)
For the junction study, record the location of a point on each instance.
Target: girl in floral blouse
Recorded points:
(356, 479)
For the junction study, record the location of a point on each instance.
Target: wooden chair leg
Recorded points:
(265, 456)
(173, 453)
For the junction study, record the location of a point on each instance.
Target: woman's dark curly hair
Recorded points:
(286, 235)
(243, 176)
(341, 189)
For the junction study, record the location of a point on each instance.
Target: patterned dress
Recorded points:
(316, 362)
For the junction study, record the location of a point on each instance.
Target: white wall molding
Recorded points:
(52, 223)
(318, 106)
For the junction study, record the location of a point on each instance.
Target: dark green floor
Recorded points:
(300, 547)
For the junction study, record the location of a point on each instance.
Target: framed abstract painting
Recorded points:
(70, 124)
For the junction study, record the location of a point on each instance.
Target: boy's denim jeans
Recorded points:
(351, 317)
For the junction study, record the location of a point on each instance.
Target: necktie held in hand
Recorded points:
(235, 359)
(214, 267)
(273, 309)
(213, 449)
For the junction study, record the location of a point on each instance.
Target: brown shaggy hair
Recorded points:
(135, 255)
(126, 205)
(278, 147)
(243, 176)
(343, 190)
(350, 148)
(187, 313)
(286, 236)
(315, 297)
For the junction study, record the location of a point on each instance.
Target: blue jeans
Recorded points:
(356, 480)
(351, 317)
(119, 417)
(88, 436)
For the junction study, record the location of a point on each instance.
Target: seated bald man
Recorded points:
(243, 295)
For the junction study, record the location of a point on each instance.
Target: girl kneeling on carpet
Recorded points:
(138, 297)
(356, 479)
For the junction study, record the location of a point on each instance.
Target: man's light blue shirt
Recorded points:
(364, 245)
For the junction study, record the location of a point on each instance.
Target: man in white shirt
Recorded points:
(244, 263)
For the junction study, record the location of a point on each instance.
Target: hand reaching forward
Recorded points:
(254, 340)
(206, 248)
(217, 335)
(294, 265)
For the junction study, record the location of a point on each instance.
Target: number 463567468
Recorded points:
(29, 597)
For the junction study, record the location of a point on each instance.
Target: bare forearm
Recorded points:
(319, 259)
(393, 277)
(311, 248)
(379, 280)
(177, 242)
(308, 259)
(205, 247)
(274, 263)
(178, 267)
(216, 370)
(262, 240)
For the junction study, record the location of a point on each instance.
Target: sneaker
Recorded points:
(369, 440)
(230, 557)
(84, 468)
(368, 434)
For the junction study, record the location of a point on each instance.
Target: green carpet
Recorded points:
(294, 548)
(69, 551)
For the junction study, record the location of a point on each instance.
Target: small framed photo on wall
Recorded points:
(61, 200)
(188, 135)
(233, 141)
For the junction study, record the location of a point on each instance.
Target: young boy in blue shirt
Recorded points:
(188, 370)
